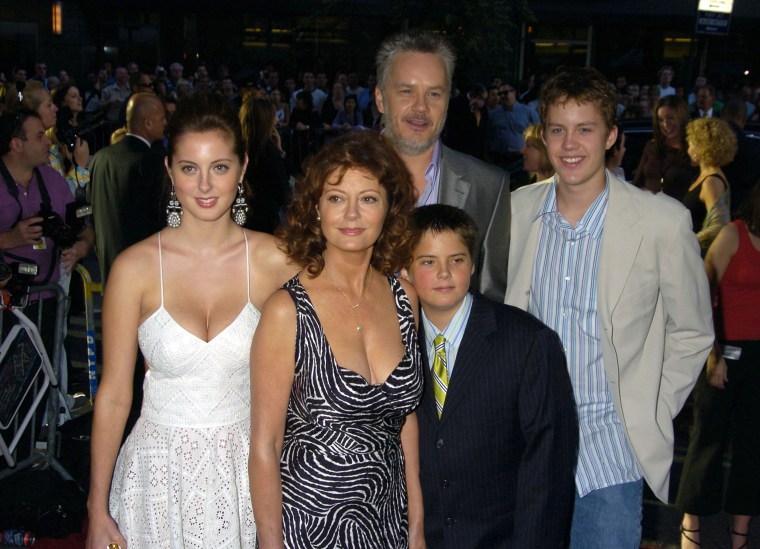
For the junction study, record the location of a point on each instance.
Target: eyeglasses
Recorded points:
(506, 92)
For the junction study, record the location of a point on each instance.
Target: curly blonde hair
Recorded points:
(33, 93)
(301, 238)
(713, 140)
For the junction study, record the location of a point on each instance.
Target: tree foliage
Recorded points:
(485, 33)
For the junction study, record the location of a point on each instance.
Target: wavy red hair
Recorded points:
(301, 238)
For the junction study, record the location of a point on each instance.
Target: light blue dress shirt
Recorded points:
(564, 296)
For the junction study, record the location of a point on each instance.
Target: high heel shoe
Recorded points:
(685, 534)
(745, 535)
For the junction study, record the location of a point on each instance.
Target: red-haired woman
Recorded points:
(335, 373)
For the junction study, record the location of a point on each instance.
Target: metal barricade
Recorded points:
(35, 325)
(26, 372)
(90, 287)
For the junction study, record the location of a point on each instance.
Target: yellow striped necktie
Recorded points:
(440, 373)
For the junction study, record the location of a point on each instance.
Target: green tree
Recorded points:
(485, 33)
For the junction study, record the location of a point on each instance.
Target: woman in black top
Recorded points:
(267, 173)
(712, 144)
(307, 129)
(665, 165)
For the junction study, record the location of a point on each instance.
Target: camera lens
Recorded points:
(5, 271)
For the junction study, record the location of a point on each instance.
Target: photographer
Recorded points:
(70, 162)
(54, 241)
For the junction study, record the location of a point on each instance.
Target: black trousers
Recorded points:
(723, 417)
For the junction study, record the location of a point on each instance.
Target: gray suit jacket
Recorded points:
(481, 190)
(653, 309)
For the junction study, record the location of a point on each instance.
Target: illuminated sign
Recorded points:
(714, 16)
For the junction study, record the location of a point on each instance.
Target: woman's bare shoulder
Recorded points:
(133, 280)
(279, 310)
(137, 257)
(268, 256)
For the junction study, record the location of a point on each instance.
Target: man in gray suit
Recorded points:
(414, 73)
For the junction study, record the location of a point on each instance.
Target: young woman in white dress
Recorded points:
(190, 296)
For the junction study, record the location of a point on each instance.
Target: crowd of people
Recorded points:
(340, 315)
(485, 120)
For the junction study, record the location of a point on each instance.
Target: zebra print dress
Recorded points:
(342, 466)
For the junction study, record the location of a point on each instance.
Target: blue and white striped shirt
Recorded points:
(564, 296)
(433, 178)
(453, 333)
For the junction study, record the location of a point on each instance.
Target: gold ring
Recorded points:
(113, 546)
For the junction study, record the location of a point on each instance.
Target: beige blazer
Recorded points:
(654, 310)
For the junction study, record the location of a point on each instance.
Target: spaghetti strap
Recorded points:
(723, 179)
(247, 267)
(725, 183)
(161, 269)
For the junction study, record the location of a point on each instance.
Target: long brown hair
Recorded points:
(682, 114)
(257, 119)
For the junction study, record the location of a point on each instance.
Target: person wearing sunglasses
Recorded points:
(506, 125)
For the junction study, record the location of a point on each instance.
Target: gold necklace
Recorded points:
(361, 300)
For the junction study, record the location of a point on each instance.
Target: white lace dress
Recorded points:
(181, 478)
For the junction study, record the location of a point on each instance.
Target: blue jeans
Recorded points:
(608, 518)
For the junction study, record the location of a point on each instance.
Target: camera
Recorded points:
(68, 134)
(19, 277)
(5, 272)
(56, 229)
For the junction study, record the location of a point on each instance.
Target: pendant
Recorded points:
(358, 328)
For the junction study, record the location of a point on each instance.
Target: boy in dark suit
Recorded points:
(497, 424)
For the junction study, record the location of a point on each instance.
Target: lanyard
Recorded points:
(13, 188)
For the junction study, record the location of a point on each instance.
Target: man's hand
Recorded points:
(717, 371)
(70, 256)
(26, 231)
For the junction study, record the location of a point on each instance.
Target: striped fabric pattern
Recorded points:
(440, 373)
(433, 178)
(453, 334)
(564, 296)
(342, 465)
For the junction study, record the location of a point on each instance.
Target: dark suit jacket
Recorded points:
(481, 190)
(462, 131)
(125, 192)
(694, 113)
(497, 470)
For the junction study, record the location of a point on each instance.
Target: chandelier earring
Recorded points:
(174, 210)
(240, 207)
